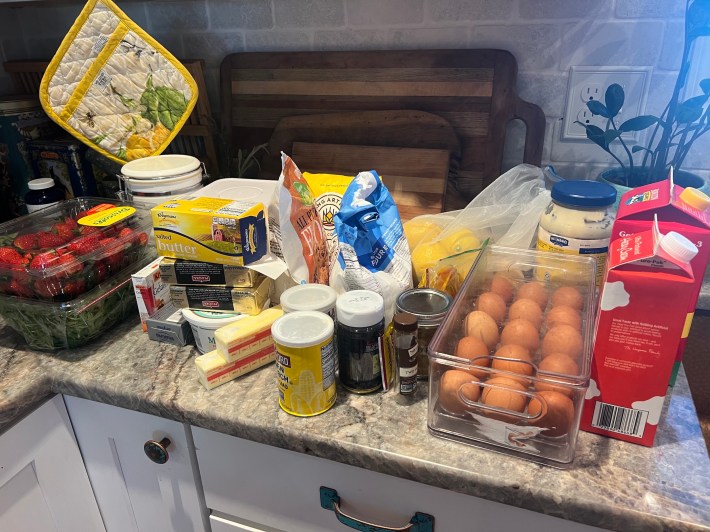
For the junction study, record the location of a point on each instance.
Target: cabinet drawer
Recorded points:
(280, 489)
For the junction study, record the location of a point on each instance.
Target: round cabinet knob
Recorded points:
(157, 451)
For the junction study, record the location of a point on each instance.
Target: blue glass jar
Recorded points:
(43, 193)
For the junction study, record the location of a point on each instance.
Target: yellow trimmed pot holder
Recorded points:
(115, 88)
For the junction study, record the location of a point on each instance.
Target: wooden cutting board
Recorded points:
(474, 90)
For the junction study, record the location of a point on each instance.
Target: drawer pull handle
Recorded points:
(157, 451)
(330, 500)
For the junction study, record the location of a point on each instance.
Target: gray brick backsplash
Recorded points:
(613, 43)
(514, 144)
(650, 8)
(474, 10)
(536, 47)
(449, 37)
(274, 41)
(136, 12)
(309, 13)
(546, 90)
(672, 51)
(212, 47)
(172, 16)
(244, 14)
(382, 13)
(351, 39)
(552, 9)
(54, 20)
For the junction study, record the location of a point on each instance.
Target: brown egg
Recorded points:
(504, 394)
(454, 382)
(517, 352)
(521, 332)
(535, 291)
(480, 325)
(568, 295)
(476, 351)
(563, 315)
(558, 416)
(563, 339)
(556, 363)
(526, 309)
(502, 286)
(493, 305)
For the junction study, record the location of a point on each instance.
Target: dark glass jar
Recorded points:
(429, 306)
(361, 326)
(42, 193)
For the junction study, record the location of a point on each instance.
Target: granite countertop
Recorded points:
(610, 484)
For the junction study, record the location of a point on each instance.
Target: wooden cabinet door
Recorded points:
(43, 483)
(134, 493)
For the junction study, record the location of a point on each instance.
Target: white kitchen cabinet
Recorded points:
(255, 487)
(43, 484)
(133, 492)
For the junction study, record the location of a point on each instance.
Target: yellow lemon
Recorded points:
(425, 256)
(460, 241)
(418, 231)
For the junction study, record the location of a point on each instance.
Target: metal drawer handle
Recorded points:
(157, 451)
(330, 500)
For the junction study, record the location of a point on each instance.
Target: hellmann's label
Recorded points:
(214, 230)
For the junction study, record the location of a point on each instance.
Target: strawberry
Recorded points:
(26, 242)
(63, 230)
(47, 288)
(84, 244)
(20, 289)
(74, 288)
(71, 223)
(87, 230)
(46, 240)
(48, 259)
(113, 252)
(10, 258)
(142, 238)
(71, 265)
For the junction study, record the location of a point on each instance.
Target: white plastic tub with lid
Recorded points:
(204, 323)
(154, 180)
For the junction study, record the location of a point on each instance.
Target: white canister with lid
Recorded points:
(204, 323)
(154, 180)
(311, 296)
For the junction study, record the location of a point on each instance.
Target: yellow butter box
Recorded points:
(221, 231)
(246, 300)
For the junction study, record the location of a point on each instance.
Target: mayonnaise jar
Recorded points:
(578, 221)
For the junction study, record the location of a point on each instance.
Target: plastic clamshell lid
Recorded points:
(160, 166)
(302, 328)
(308, 297)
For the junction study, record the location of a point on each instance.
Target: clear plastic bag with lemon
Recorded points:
(445, 246)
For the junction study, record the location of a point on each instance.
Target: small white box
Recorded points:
(151, 292)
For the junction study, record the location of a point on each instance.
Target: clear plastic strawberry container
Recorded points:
(510, 364)
(65, 270)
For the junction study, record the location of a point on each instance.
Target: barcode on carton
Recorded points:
(619, 419)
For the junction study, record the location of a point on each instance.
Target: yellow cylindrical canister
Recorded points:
(305, 362)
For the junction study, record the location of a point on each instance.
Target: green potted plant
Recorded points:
(673, 133)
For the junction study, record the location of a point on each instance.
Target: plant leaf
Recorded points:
(637, 148)
(596, 135)
(614, 99)
(705, 85)
(598, 108)
(690, 110)
(611, 135)
(638, 123)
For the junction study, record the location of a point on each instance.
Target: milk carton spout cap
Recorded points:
(678, 247)
(695, 198)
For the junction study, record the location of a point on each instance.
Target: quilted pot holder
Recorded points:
(115, 88)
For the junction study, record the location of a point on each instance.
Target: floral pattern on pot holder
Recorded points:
(115, 88)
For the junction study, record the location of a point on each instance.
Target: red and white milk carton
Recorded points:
(684, 210)
(641, 317)
(151, 292)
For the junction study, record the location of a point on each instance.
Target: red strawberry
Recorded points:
(26, 242)
(142, 238)
(84, 244)
(113, 252)
(63, 230)
(47, 288)
(87, 230)
(48, 259)
(10, 258)
(46, 240)
(100, 271)
(71, 265)
(20, 289)
(74, 288)
(71, 223)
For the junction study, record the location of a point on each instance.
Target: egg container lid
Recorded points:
(583, 193)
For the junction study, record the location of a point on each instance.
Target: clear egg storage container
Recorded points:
(65, 270)
(510, 364)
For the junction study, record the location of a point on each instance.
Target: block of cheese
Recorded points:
(213, 370)
(247, 336)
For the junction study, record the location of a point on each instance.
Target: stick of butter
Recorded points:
(246, 336)
(213, 370)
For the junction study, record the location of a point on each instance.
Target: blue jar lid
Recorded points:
(583, 193)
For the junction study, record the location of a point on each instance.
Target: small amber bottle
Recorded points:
(406, 348)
